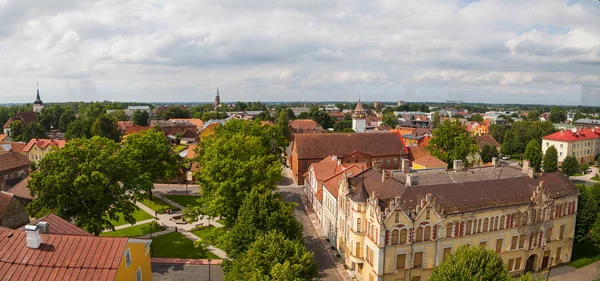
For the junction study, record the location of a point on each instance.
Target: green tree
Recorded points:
(265, 115)
(80, 128)
(283, 123)
(323, 119)
(488, 152)
(49, 117)
(16, 130)
(154, 161)
(67, 116)
(261, 212)
(588, 208)
(93, 110)
(119, 115)
(534, 115)
(141, 118)
(476, 117)
(343, 126)
(550, 163)
(106, 126)
(570, 166)
(31, 131)
(533, 153)
(273, 257)
(471, 263)
(557, 115)
(390, 119)
(81, 182)
(303, 115)
(436, 119)
(213, 115)
(238, 157)
(173, 112)
(452, 142)
(497, 132)
(578, 115)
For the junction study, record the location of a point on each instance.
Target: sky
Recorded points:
(492, 51)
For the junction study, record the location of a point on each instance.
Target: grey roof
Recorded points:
(213, 121)
(361, 195)
(588, 121)
(138, 107)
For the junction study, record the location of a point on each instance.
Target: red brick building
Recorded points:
(14, 167)
(385, 147)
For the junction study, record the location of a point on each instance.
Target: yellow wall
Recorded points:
(140, 258)
(207, 132)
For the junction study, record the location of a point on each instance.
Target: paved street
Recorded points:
(327, 267)
(192, 189)
(179, 272)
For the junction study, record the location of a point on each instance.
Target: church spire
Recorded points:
(38, 92)
(217, 91)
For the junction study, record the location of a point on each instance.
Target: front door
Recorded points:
(530, 262)
(545, 260)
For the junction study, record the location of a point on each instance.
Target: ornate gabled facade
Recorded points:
(410, 221)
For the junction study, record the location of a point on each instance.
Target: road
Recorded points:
(192, 189)
(315, 243)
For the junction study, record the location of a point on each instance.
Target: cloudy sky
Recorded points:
(534, 51)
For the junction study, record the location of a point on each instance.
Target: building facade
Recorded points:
(583, 144)
(14, 167)
(401, 225)
(37, 149)
(12, 211)
(359, 119)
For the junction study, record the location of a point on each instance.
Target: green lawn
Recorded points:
(175, 245)
(584, 253)
(596, 178)
(134, 231)
(138, 215)
(180, 148)
(204, 232)
(184, 200)
(158, 205)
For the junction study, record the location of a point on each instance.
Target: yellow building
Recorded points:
(400, 225)
(428, 162)
(54, 249)
(36, 149)
(208, 130)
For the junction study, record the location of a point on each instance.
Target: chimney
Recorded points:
(33, 236)
(428, 197)
(495, 162)
(526, 166)
(412, 179)
(531, 173)
(458, 165)
(44, 227)
(405, 165)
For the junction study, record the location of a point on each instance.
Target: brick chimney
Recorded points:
(412, 179)
(495, 162)
(458, 165)
(526, 165)
(405, 165)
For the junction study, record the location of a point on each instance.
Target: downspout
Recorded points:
(437, 243)
(411, 251)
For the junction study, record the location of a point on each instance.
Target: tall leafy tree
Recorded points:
(488, 152)
(497, 131)
(174, 112)
(106, 126)
(570, 166)
(67, 116)
(390, 119)
(283, 122)
(476, 117)
(238, 157)
(533, 153)
(119, 115)
(436, 119)
(16, 130)
(588, 208)
(550, 163)
(344, 126)
(31, 131)
(80, 128)
(261, 212)
(471, 263)
(323, 119)
(81, 182)
(557, 115)
(141, 118)
(273, 257)
(152, 157)
(452, 142)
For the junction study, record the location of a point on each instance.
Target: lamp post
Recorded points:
(549, 268)
(209, 260)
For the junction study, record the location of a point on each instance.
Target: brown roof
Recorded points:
(417, 152)
(331, 183)
(123, 124)
(304, 126)
(198, 122)
(25, 117)
(430, 162)
(60, 226)
(404, 131)
(60, 257)
(5, 199)
(16, 146)
(469, 193)
(136, 129)
(359, 107)
(489, 140)
(11, 160)
(422, 131)
(320, 195)
(21, 190)
(191, 153)
(43, 143)
(310, 146)
(3, 136)
(337, 114)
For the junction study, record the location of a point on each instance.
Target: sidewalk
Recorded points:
(184, 261)
(218, 252)
(130, 225)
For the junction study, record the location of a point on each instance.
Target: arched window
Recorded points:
(492, 224)
(419, 234)
(403, 236)
(502, 222)
(427, 233)
(485, 225)
(478, 226)
(395, 236)
(468, 227)
(449, 230)
(358, 225)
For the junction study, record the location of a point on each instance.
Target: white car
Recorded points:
(505, 157)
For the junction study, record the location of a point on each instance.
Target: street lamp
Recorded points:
(209, 260)
(549, 268)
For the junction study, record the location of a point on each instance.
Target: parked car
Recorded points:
(505, 157)
(589, 170)
(595, 164)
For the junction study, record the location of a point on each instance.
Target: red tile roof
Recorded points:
(21, 190)
(489, 140)
(377, 144)
(60, 226)
(331, 183)
(43, 143)
(430, 162)
(60, 257)
(320, 195)
(11, 160)
(306, 126)
(16, 146)
(198, 122)
(136, 129)
(3, 136)
(416, 152)
(574, 135)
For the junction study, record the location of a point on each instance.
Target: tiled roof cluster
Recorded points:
(320, 145)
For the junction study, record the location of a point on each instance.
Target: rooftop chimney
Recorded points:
(458, 165)
(495, 162)
(405, 165)
(33, 236)
(526, 165)
(44, 227)
(412, 179)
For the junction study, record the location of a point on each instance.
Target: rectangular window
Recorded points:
(397, 217)
(10, 222)
(395, 160)
(510, 264)
(138, 274)
(522, 241)
(387, 161)
(513, 243)
(548, 234)
(558, 250)
(518, 264)
(561, 234)
(401, 261)
(14, 206)
(483, 244)
(418, 259)
(127, 257)
(499, 245)
(447, 252)
(415, 278)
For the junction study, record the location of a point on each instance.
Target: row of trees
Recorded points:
(514, 139)
(241, 164)
(88, 177)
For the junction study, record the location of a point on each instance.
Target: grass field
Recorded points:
(584, 253)
(134, 231)
(204, 232)
(184, 200)
(179, 148)
(175, 245)
(158, 205)
(138, 215)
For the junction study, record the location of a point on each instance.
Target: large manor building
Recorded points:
(395, 225)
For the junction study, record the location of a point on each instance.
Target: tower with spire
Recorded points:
(217, 99)
(38, 105)
(359, 119)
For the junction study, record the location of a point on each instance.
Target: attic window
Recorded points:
(427, 214)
